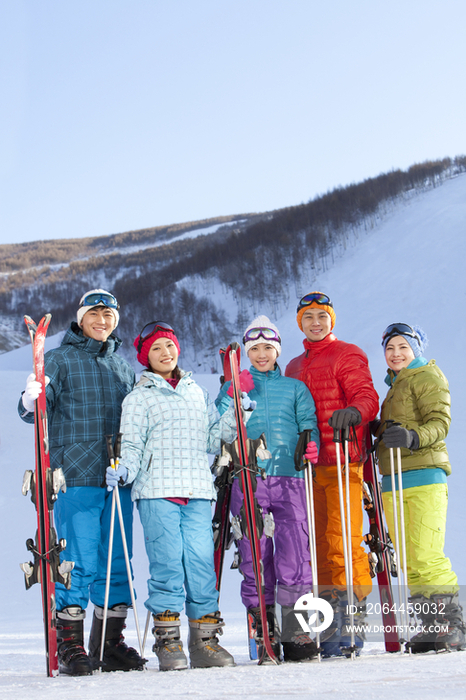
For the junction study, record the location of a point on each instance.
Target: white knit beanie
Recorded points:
(84, 309)
(262, 322)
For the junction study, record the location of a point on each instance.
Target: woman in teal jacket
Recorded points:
(284, 409)
(415, 417)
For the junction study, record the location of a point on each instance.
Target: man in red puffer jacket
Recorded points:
(340, 381)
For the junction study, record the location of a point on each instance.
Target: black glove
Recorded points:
(344, 417)
(397, 436)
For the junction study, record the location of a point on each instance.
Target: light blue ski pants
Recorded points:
(179, 544)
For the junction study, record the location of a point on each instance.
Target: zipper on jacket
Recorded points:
(267, 422)
(103, 404)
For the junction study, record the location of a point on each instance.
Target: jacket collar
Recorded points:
(149, 378)
(315, 347)
(74, 336)
(417, 363)
(264, 376)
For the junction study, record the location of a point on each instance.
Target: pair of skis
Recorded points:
(44, 486)
(242, 455)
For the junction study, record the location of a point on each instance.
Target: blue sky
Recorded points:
(124, 114)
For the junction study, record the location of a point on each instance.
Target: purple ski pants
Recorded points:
(286, 556)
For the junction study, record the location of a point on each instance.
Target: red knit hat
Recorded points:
(143, 353)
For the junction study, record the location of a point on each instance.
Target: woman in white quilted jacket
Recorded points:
(169, 426)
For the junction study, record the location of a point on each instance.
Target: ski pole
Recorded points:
(349, 579)
(114, 458)
(309, 486)
(146, 631)
(110, 552)
(401, 567)
(337, 438)
(124, 542)
(403, 544)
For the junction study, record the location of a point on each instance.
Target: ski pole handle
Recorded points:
(118, 440)
(110, 452)
(341, 434)
(389, 423)
(300, 464)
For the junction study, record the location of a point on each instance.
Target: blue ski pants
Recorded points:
(179, 544)
(82, 517)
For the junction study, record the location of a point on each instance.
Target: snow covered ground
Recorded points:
(371, 677)
(408, 269)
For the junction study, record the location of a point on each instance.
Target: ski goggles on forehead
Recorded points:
(266, 333)
(99, 298)
(399, 329)
(316, 297)
(151, 328)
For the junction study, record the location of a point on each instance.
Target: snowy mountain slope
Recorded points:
(410, 268)
(241, 257)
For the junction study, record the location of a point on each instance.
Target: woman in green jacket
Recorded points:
(415, 416)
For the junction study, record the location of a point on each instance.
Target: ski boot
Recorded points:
(330, 638)
(358, 625)
(424, 610)
(117, 655)
(449, 617)
(72, 658)
(274, 631)
(297, 644)
(204, 649)
(168, 645)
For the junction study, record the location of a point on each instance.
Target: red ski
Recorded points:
(380, 547)
(247, 471)
(224, 479)
(44, 486)
(225, 356)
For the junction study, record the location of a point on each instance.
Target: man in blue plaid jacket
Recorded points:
(86, 384)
